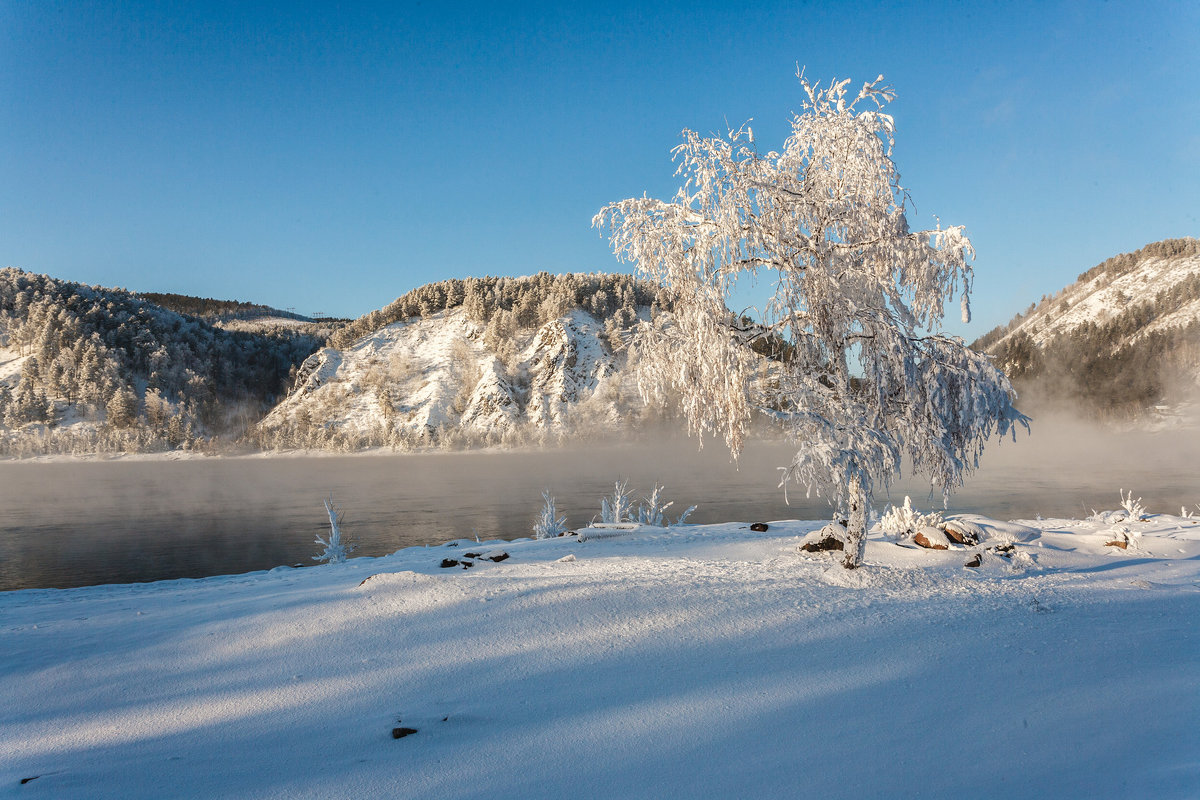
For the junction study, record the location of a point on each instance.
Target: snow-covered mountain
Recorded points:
(473, 373)
(1122, 341)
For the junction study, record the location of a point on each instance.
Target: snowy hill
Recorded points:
(439, 379)
(1123, 341)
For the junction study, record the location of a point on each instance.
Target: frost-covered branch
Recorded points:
(335, 550)
(861, 379)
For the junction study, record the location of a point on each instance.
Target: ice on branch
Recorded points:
(847, 356)
(335, 550)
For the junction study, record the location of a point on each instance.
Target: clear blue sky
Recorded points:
(331, 157)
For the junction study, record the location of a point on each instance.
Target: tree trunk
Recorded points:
(856, 527)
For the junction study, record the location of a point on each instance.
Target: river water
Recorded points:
(76, 523)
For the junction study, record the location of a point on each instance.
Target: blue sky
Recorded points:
(329, 158)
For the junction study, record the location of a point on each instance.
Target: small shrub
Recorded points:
(618, 507)
(904, 521)
(548, 524)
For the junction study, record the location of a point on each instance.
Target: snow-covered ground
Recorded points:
(703, 661)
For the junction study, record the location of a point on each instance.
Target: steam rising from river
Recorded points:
(72, 523)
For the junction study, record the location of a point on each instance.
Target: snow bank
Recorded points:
(694, 661)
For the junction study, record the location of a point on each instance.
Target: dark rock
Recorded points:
(1005, 550)
(830, 542)
(451, 544)
(467, 564)
(932, 538)
(400, 733)
(470, 555)
(27, 780)
(976, 561)
(759, 526)
(497, 557)
(449, 562)
(962, 531)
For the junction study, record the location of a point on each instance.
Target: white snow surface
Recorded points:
(10, 365)
(699, 661)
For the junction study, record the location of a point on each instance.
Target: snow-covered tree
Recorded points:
(857, 374)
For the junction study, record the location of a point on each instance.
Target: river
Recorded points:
(73, 523)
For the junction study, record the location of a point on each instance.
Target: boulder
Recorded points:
(449, 562)
(963, 531)
(759, 527)
(831, 537)
(932, 538)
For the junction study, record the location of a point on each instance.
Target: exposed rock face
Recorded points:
(568, 362)
(418, 381)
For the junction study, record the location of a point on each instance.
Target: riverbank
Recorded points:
(706, 660)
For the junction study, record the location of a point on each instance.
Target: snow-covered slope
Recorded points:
(1105, 295)
(432, 377)
(703, 661)
(1121, 344)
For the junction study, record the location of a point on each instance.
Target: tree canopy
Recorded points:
(863, 377)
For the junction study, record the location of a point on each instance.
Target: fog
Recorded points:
(78, 523)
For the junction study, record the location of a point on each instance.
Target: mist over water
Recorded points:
(79, 523)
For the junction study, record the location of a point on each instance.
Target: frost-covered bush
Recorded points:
(652, 509)
(1134, 510)
(1131, 511)
(336, 551)
(619, 506)
(548, 524)
(903, 521)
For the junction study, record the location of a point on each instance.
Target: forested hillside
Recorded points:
(85, 369)
(474, 361)
(1119, 342)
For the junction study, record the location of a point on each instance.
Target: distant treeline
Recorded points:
(207, 308)
(521, 302)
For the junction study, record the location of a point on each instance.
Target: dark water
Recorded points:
(80, 523)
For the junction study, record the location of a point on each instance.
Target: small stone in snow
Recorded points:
(759, 527)
(496, 556)
(449, 562)
(400, 733)
(470, 555)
